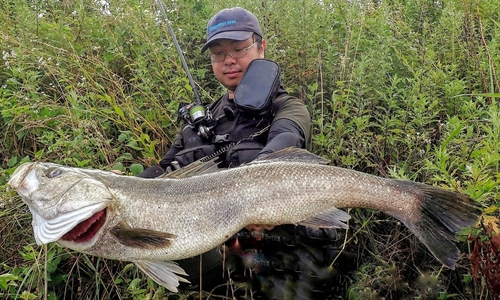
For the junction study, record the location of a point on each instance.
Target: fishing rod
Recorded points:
(194, 113)
(179, 51)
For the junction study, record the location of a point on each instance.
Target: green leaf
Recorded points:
(118, 166)
(6, 279)
(12, 161)
(119, 111)
(28, 296)
(52, 296)
(134, 284)
(124, 136)
(136, 169)
(134, 145)
(128, 267)
(125, 156)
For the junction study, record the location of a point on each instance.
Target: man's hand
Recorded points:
(151, 172)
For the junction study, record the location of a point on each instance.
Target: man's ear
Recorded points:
(263, 48)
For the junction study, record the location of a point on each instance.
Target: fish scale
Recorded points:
(193, 210)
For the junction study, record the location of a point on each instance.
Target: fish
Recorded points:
(153, 222)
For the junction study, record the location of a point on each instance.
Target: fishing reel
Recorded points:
(193, 113)
(198, 117)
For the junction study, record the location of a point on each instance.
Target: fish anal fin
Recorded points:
(332, 218)
(165, 273)
(142, 238)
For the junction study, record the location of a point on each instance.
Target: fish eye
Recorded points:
(53, 172)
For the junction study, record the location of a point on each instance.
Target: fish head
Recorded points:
(67, 204)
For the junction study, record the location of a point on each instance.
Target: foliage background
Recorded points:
(396, 88)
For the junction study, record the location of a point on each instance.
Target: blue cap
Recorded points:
(232, 23)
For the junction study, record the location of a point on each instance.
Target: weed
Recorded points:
(404, 89)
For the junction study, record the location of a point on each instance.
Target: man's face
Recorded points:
(230, 70)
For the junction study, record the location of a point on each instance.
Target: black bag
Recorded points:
(258, 87)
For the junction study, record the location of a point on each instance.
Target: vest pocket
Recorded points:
(243, 153)
(187, 156)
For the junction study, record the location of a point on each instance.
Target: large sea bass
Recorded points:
(154, 221)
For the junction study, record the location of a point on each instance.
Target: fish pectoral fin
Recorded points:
(165, 273)
(332, 218)
(142, 238)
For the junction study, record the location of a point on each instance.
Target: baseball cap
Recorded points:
(232, 23)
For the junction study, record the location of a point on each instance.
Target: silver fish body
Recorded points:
(149, 221)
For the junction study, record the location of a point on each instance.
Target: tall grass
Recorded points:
(404, 89)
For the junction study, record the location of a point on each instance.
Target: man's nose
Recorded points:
(228, 59)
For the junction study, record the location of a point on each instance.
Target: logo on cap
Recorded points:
(216, 26)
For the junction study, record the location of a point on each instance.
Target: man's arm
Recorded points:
(282, 134)
(290, 127)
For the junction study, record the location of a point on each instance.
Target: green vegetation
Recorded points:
(404, 89)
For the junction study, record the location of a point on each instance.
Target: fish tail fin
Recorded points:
(443, 214)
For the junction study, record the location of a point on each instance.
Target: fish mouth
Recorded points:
(85, 231)
(83, 224)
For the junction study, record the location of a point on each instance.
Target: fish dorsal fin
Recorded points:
(292, 154)
(201, 166)
(165, 273)
(332, 218)
(198, 167)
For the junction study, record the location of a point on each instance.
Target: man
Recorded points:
(234, 39)
(237, 136)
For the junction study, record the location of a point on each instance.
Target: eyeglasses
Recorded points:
(237, 53)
